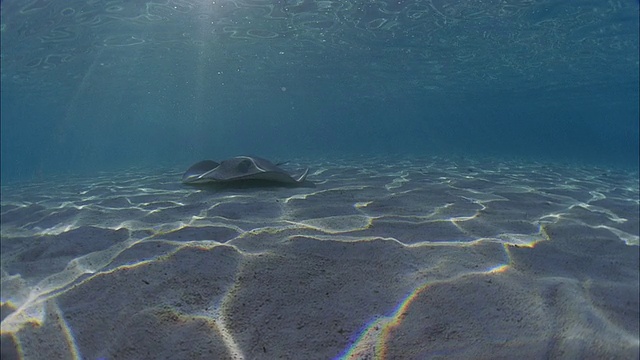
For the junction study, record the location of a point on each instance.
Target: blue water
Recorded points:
(90, 86)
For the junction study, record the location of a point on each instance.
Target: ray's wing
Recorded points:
(195, 173)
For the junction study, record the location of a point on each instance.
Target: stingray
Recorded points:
(238, 169)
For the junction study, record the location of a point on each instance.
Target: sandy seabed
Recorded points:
(379, 259)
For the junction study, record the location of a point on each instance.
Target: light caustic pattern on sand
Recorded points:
(380, 259)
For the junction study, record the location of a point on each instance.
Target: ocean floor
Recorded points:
(379, 259)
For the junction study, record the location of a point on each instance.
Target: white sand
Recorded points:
(409, 259)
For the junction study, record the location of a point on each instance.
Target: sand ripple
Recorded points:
(382, 258)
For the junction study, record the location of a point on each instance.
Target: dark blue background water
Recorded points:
(90, 86)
